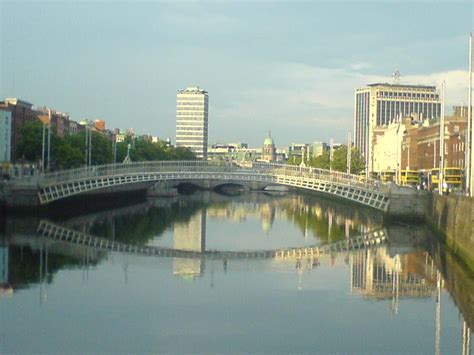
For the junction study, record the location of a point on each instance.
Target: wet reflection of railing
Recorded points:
(57, 232)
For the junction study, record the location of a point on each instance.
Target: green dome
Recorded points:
(268, 141)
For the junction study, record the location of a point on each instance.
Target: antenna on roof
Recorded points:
(396, 76)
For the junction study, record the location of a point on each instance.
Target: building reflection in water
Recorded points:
(5, 288)
(377, 275)
(190, 235)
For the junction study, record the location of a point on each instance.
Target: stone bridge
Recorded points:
(46, 188)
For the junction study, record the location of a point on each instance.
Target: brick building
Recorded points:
(421, 143)
(59, 120)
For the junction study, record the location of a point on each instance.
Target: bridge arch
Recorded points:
(63, 184)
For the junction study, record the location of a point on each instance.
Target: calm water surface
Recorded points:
(58, 297)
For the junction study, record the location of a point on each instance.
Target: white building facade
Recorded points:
(192, 112)
(5, 135)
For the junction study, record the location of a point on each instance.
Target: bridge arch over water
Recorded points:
(64, 184)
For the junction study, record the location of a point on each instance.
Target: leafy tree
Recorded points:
(69, 151)
(143, 150)
(29, 147)
(339, 161)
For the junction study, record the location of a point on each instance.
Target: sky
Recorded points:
(286, 66)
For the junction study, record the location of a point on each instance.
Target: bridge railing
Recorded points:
(321, 174)
(255, 168)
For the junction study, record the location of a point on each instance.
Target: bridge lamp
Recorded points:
(46, 150)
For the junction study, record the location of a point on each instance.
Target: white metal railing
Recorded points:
(177, 167)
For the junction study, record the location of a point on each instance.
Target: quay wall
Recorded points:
(453, 217)
(407, 204)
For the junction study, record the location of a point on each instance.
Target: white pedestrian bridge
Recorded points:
(64, 184)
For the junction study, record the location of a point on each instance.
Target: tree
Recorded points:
(29, 147)
(339, 162)
(69, 151)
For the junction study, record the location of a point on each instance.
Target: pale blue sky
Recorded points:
(288, 66)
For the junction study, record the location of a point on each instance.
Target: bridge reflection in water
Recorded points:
(390, 270)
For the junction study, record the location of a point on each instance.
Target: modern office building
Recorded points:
(190, 236)
(192, 107)
(380, 104)
(5, 136)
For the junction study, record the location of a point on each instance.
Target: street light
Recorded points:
(441, 141)
(88, 128)
(46, 152)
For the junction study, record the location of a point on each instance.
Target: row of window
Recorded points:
(188, 134)
(197, 109)
(190, 128)
(412, 95)
(458, 147)
(191, 144)
(388, 111)
(458, 163)
(190, 114)
(193, 126)
(195, 103)
(190, 97)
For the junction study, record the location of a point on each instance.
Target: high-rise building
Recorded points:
(5, 135)
(381, 104)
(192, 107)
(190, 236)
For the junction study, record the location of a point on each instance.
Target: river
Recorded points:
(60, 295)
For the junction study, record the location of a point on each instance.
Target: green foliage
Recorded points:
(339, 161)
(143, 150)
(69, 151)
(29, 148)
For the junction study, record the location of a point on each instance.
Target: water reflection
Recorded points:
(190, 236)
(409, 267)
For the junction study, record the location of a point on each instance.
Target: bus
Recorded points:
(409, 178)
(452, 176)
(388, 176)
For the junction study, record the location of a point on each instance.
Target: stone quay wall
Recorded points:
(453, 216)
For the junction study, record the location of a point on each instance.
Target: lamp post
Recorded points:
(49, 139)
(469, 136)
(43, 148)
(331, 153)
(349, 151)
(46, 141)
(441, 141)
(88, 128)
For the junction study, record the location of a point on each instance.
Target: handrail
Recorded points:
(255, 168)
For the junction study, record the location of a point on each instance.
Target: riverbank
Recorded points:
(453, 217)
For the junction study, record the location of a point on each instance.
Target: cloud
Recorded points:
(318, 98)
(360, 66)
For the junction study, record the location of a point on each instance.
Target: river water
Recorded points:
(407, 295)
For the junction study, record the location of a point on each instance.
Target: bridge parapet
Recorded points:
(62, 184)
(203, 166)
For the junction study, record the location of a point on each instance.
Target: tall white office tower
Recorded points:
(192, 108)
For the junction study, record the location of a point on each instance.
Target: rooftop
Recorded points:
(407, 86)
(18, 102)
(193, 90)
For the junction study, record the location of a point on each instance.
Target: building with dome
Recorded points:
(268, 150)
